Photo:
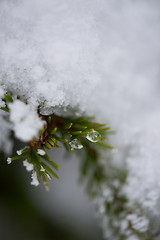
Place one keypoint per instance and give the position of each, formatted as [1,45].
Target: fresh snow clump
[29,166]
[34,178]
[26,123]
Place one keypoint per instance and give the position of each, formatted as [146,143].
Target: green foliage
[58,132]
[86,138]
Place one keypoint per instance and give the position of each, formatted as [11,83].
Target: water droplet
[93,136]
[75,144]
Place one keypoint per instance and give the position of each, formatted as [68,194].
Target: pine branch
[104,184]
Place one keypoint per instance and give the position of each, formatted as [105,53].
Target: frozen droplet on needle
[94,136]
[75,144]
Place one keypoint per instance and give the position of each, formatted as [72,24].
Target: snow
[41,152]
[26,123]
[2,92]
[9,160]
[46,42]
[138,223]
[29,166]
[95,56]
[34,178]
[19,152]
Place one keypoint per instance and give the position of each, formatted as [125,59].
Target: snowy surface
[96,56]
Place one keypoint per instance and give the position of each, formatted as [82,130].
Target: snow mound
[101,57]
